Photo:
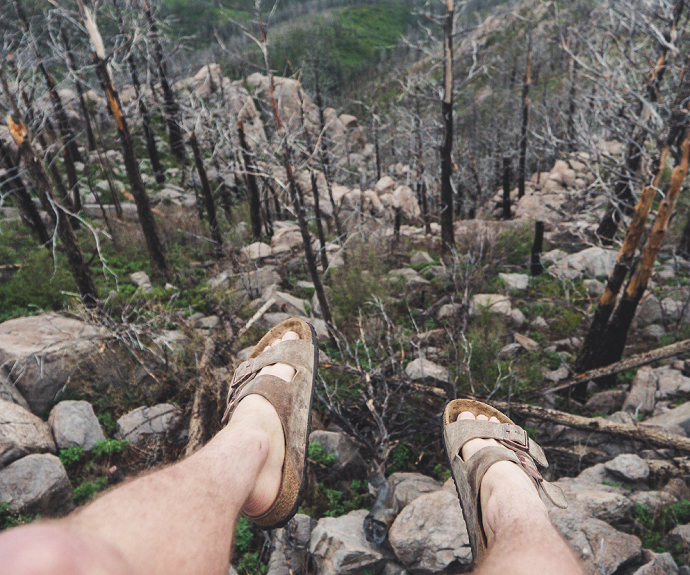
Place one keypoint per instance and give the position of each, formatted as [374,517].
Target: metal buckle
[249,368]
[515,436]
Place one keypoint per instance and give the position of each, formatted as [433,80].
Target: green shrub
[109,447]
[249,564]
[88,490]
[9,518]
[243,535]
[71,456]
[318,455]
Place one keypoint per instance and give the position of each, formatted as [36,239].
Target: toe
[482,417]
[290,335]
[466,415]
[494,419]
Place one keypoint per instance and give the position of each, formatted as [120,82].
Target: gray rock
[408,486]
[341,446]
[601,547]
[21,433]
[594,262]
[654,332]
[410,276]
[8,392]
[36,484]
[557,374]
[594,287]
[525,342]
[641,398]
[678,536]
[421,258]
[510,350]
[448,311]
[606,402]
[496,303]
[430,534]
[515,281]
[74,424]
[629,467]
[420,368]
[208,322]
[339,546]
[661,564]
[289,304]
[290,545]
[142,280]
[38,354]
[256,251]
[649,311]
[603,502]
[393,568]
[653,500]
[539,323]
[670,383]
[154,420]
[517,317]
[673,419]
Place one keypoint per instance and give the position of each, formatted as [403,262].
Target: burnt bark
[421,185]
[208,196]
[536,267]
[447,235]
[522,160]
[507,178]
[252,186]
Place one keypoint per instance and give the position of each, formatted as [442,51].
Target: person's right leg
[521,539]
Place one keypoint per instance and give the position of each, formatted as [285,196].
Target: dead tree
[69,143]
[252,186]
[72,67]
[507,177]
[522,159]
[75,258]
[421,184]
[622,190]
[151,145]
[208,196]
[447,235]
[606,338]
[172,108]
[148,224]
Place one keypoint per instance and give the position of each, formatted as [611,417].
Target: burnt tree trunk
[507,177]
[208,196]
[536,267]
[421,186]
[447,235]
[252,186]
[75,258]
[148,223]
[522,160]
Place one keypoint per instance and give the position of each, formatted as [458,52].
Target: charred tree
[507,180]
[447,235]
[421,185]
[208,196]
[148,224]
[172,108]
[252,185]
[522,160]
[536,267]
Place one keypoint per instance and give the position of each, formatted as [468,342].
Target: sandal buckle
[246,370]
[516,437]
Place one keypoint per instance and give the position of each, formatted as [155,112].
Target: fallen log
[621,366]
[652,435]
[206,400]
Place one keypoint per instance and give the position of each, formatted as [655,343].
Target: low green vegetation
[318,455]
[652,528]
[9,518]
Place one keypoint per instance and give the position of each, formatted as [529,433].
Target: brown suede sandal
[515,446]
[291,400]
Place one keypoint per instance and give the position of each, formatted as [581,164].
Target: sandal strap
[293,352]
[511,436]
[482,460]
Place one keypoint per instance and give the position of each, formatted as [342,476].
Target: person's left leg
[176,521]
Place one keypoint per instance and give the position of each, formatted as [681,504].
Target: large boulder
[9,392]
[496,303]
[74,424]
[628,467]
[604,502]
[642,395]
[661,564]
[339,546]
[674,420]
[340,446]
[430,536]
[36,484]
[21,433]
[290,545]
[38,354]
[155,420]
[421,368]
[408,486]
[594,262]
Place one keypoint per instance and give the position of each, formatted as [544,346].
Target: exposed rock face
[256,251]
[413,280]
[421,368]
[290,545]
[515,281]
[339,547]
[642,395]
[629,467]
[8,392]
[603,502]
[74,424]
[497,303]
[39,353]
[155,420]
[36,484]
[661,564]
[21,433]
[429,534]
[679,536]
[341,446]
[674,420]
[594,262]
[408,486]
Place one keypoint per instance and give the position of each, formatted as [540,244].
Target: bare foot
[503,485]
[255,410]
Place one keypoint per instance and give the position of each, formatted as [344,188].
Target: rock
[39,354]
[557,374]
[290,304]
[552,257]
[339,547]
[517,317]
[154,420]
[413,279]
[393,568]
[515,281]
[601,547]
[653,500]
[596,500]
[385,185]
[526,342]
[429,535]
[673,419]
[629,467]
[252,281]
[286,237]
[8,392]
[421,258]
[606,402]
[670,382]
[21,433]
[208,322]
[256,251]
[421,368]
[539,323]
[408,486]
[142,280]
[678,536]
[291,543]
[649,311]
[594,287]
[594,262]
[448,311]
[74,424]
[661,564]
[654,332]
[341,446]
[243,354]
[496,303]
[406,200]
[510,350]
[36,484]
[641,398]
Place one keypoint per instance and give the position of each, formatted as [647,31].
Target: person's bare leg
[520,536]
[176,521]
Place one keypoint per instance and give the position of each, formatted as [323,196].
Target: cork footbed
[457,406]
[292,490]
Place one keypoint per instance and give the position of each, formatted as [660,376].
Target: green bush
[9,518]
[652,528]
[71,456]
[318,455]
[243,535]
[249,564]
[88,490]
[109,447]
